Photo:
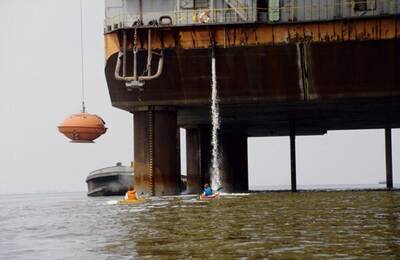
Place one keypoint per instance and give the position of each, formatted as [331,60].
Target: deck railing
[322,10]
[183,17]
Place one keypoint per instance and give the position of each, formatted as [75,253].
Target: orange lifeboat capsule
[82,127]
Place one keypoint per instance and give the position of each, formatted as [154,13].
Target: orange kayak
[211,197]
[130,201]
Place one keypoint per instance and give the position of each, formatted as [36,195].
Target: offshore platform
[284,68]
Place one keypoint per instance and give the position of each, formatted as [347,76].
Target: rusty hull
[332,85]
[264,63]
[302,69]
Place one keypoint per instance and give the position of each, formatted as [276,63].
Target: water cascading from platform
[215,120]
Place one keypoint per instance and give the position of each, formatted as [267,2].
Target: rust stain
[229,37]
[388,28]
[219,37]
[281,34]
[248,36]
[351,29]
[296,33]
[360,31]
[345,31]
[370,30]
[338,30]
[264,34]
[398,28]
[236,40]
[202,38]
[185,39]
[311,32]
[255,35]
[327,32]
[169,40]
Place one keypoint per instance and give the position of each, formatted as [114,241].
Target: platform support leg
[293,157]
[198,158]
[388,153]
[155,155]
[193,161]
[234,162]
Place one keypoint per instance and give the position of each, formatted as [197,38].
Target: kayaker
[207,190]
[131,194]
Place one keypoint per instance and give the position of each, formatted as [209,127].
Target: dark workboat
[109,181]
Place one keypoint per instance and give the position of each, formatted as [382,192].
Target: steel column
[234,163]
[293,157]
[205,153]
[193,161]
[155,155]
[233,159]
[389,165]
[198,158]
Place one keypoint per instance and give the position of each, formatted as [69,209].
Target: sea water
[304,225]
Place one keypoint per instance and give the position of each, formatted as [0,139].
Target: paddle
[220,188]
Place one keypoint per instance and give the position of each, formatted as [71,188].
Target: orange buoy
[82,127]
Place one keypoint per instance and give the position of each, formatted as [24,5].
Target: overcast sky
[40,86]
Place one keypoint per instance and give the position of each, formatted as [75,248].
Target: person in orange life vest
[131,194]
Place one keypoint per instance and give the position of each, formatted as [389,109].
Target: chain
[150,152]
